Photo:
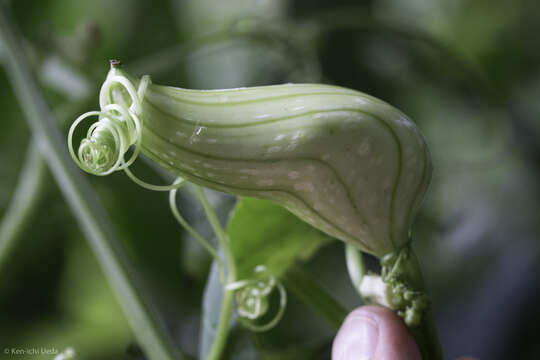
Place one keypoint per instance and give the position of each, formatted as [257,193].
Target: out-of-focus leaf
[264,233]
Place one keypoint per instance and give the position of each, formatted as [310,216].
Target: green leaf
[264,233]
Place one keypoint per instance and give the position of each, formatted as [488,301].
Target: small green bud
[412,317]
[408,295]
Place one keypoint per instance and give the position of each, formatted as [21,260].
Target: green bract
[347,163]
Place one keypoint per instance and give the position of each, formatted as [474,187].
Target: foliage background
[468,72]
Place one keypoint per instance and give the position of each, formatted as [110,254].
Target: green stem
[29,192]
[222,331]
[83,200]
[425,333]
[205,243]
[220,339]
[23,205]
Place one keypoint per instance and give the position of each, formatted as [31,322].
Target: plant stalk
[425,333]
[23,205]
[222,331]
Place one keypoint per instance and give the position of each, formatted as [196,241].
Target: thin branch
[23,204]
[222,331]
[32,184]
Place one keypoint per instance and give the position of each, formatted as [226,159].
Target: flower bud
[349,164]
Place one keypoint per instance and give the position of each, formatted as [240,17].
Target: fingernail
[357,339]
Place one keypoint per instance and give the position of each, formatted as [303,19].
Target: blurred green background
[467,72]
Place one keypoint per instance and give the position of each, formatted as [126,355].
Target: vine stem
[220,339]
[425,333]
[23,204]
[32,185]
[82,199]
[404,265]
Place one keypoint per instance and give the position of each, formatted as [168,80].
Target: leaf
[264,233]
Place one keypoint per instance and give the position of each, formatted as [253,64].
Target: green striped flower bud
[347,163]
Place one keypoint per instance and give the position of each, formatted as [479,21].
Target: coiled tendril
[252,298]
[118,128]
[252,295]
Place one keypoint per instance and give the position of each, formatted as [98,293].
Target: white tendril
[252,298]
[119,127]
[205,243]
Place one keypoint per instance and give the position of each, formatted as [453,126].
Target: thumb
[373,332]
